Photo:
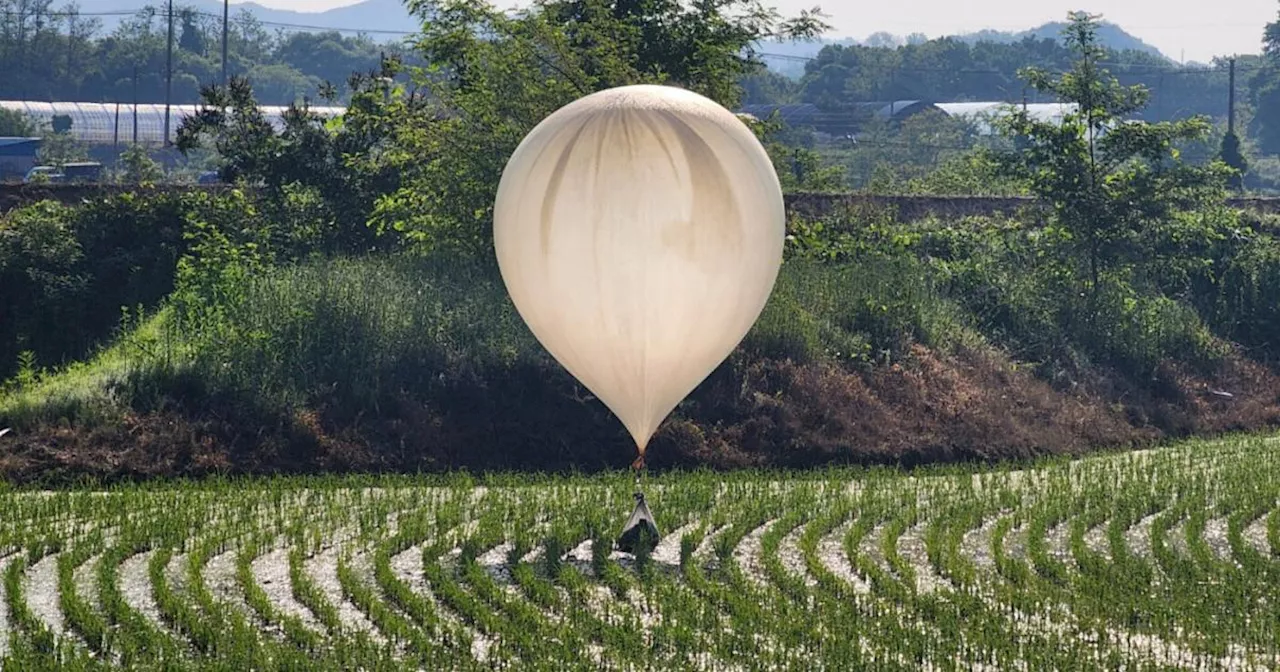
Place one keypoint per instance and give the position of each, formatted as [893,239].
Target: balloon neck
[637,468]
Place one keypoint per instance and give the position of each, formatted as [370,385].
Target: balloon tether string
[637,467]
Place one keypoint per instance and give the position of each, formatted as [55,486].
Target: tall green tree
[420,161]
[15,124]
[1271,39]
[1266,92]
[60,148]
[328,56]
[192,38]
[1115,185]
[490,76]
[334,164]
[948,69]
[1267,117]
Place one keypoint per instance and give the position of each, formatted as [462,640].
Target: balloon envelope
[639,232]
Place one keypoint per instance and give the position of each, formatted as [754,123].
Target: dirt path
[747,554]
[271,573]
[41,592]
[135,588]
[832,556]
[322,569]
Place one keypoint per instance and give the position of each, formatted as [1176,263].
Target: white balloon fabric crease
[639,232]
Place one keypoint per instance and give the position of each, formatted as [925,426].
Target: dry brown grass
[971,405]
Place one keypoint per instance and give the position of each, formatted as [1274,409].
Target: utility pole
[1159,96]
[386,81]
[225,13]
[135,104]
[168,75]
[1231,96]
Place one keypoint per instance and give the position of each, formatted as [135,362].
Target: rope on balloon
[641,530]
[637,468]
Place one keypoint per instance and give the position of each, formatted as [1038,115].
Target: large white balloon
[639,231]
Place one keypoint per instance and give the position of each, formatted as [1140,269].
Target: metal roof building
[982,114]
[111,123]
[19,146]
[847,120]
[17,156]
[108,123]
[840,121]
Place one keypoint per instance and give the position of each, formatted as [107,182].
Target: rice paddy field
[1165,559]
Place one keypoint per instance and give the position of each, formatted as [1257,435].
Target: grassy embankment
[883,342]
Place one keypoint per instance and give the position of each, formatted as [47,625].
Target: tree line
[61,53]
[949,69]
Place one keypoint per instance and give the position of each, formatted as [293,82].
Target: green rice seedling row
[1164,559]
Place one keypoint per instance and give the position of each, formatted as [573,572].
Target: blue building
[17,156]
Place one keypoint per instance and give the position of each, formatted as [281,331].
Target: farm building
[113,123]
[837,122]
[848,121]
[17,156]
[982,114]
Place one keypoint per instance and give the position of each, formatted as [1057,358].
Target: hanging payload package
[640,531]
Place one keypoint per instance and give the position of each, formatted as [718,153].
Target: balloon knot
[638,464]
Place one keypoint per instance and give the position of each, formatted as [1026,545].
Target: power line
[386,31]
[1130,68]
[168,74]
[402,32]
[226,11]
[153,12]
[329,29]
[62,14]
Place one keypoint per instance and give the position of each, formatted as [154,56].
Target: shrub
[1243,301]
[68,271]
[358,332]
[137,167]
[43,284]
[864,309]
[1135,332]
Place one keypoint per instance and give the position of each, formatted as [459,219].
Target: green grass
[357,333]
[100,388]
[414,562]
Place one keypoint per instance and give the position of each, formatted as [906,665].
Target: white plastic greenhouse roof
[982,112]
[96,123]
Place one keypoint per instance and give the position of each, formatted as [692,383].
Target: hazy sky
[1200,29]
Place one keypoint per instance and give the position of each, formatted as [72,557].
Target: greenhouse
[112,123]
[836,121]
[850,119]
[983,114]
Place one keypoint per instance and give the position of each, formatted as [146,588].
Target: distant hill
[788,57]
[389,16]
[1109,34]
